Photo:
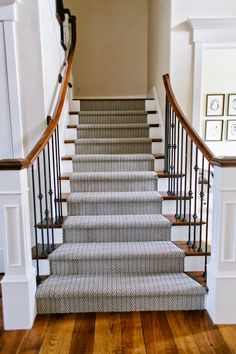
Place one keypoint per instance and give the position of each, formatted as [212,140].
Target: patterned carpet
[117,254]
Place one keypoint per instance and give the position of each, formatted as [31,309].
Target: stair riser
[191,264]
[157,165]
[113,119]
[114,148]
[154,148]
[123,234]
[120,304]
[114,185]
[163,184]
[114,208]
[169,206]
[123,265]
[112,105]
[148,105]
[112,133]
[108,166]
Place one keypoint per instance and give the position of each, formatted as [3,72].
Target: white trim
[7,10]
[222,29]
[207,33]
[13,87]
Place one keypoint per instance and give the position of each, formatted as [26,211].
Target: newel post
[221,274]
[18,284]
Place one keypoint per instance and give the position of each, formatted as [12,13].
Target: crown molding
[7,10]
[213,29]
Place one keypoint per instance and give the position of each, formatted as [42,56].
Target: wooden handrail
[19,164]
[223,161]
[184,121]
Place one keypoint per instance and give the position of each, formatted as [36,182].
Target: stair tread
[119,285]
[114,250]
[115,221]
[114,196]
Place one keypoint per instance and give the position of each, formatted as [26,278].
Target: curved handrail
[184,121]
[221,161]
[19,164]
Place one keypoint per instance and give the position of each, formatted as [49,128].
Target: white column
[221,275]
[18,284]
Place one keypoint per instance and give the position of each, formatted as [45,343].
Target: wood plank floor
[121,333]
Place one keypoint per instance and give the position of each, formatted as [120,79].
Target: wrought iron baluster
[207,216]
[174,149]
[196,168]
[177,216]
[40,196]
[186,176]
[46,200]
[167,127]
[50,192]
[35,223]
[201,194]
[54,179]
[190,194]
[59,170]
[181,173]
[172,154]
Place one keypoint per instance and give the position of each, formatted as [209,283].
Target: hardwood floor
[121,333]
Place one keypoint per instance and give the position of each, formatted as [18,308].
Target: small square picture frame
[231,109]
[231,130]
[214,130]
[215,104]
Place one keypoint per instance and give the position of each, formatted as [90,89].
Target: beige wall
[111,55]
[159,13]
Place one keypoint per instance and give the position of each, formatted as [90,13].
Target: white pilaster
[221,275]
[18,284]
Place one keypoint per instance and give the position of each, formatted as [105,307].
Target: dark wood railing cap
[222,161]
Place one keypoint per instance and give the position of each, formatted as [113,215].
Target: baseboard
[1,261]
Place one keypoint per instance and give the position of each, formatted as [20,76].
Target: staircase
[117,253]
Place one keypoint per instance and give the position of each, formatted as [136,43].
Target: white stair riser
[57,236]
[195,263]
[159,165]
[73,119]
[169,206]
[181,233]
[163,183]
[66,167]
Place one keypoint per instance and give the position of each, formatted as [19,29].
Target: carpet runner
[117,254]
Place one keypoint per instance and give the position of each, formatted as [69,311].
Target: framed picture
[215,105]
[231,130]
[231,111]
[213,130]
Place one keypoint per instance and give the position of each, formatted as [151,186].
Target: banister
[184,121]
[220,161]
[19,164]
